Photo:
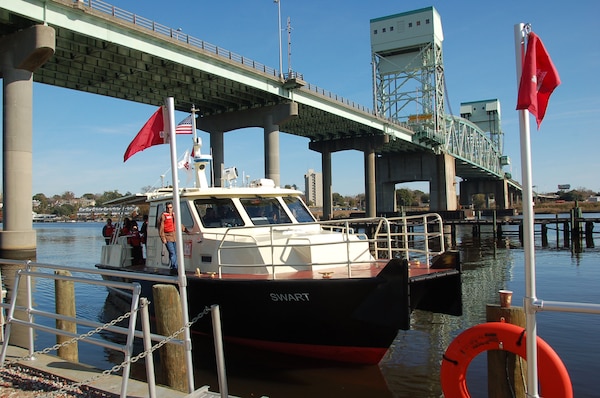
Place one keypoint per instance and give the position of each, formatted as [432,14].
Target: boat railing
[416,238]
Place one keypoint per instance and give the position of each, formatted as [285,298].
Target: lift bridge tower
[408,72]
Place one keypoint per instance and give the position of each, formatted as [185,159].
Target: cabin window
[298,209]
[264,211]
[186,216]
[218,213]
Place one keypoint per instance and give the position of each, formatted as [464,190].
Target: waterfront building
[313,188]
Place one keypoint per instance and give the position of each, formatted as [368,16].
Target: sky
[79,138]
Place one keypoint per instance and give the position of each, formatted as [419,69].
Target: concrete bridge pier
[327,185]
[439,170]
[370,183]
[498,189]
[368,145]
[20,55]
[269,118]
[272,162]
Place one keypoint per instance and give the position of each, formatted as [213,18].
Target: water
[411,367]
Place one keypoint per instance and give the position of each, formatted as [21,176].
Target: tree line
[67,204]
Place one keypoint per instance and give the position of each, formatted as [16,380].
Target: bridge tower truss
[408,72]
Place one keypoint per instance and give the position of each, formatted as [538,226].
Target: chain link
[134,359]
[75,339]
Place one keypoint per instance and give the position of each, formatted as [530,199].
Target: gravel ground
[24,382]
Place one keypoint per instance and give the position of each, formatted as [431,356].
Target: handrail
[396,237]
[179,36]
[28,273]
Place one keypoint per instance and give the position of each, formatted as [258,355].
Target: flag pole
[182,281]
[530,299]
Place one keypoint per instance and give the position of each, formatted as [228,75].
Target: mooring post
[521,232]
[557,232]
[169,320]
[64,293]
[506,371]
[589,234]
[544,234]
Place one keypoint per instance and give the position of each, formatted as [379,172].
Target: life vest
[108,230]
[169,224]
[135,239]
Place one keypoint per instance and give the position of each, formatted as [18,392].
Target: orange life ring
[553,377]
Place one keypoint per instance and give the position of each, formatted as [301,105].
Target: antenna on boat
[200,160]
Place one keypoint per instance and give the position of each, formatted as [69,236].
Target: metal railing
[179,36]
[29,272]
[415,238]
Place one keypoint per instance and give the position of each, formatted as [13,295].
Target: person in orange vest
[108,230]
[167,235]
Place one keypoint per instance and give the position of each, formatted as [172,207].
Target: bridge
[92,46]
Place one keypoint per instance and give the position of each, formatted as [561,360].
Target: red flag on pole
[151,134]
[539,78]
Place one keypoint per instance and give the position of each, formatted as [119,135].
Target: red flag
[538,79]
[151,134]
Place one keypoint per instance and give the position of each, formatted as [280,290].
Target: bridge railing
[178,35]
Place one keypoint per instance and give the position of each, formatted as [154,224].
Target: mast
[200,160]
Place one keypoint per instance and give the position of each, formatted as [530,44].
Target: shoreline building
[313,188]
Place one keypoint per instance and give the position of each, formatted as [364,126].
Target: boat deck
[416,271]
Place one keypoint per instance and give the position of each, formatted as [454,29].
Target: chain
[143,354]
[74,339]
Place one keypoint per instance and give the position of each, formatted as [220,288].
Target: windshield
[298,209]
[218,213]
[264,211]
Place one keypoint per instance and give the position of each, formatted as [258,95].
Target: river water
[411,366]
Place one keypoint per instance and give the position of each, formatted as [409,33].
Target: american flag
[185,126]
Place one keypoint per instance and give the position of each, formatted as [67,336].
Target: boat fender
[553,377]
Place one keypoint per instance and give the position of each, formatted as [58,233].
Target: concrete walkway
[111,384]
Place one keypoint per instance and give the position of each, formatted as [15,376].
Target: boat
[286,282]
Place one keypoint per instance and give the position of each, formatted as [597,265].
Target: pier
[567,231]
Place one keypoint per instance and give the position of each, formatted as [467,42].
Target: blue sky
[79,139]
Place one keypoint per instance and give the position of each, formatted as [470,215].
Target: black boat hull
[353,320]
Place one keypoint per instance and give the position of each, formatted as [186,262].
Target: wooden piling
[544,235]
[557,232]
[589,234]
[64,294]
[169,319]
[506,371]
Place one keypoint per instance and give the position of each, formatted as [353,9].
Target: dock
[50,368]
[568,231]
[25,370]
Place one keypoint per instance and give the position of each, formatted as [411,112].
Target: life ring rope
[553,377]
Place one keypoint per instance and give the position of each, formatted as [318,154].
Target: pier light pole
[278,2]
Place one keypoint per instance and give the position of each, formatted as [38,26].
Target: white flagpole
[530,299]
[182,281]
